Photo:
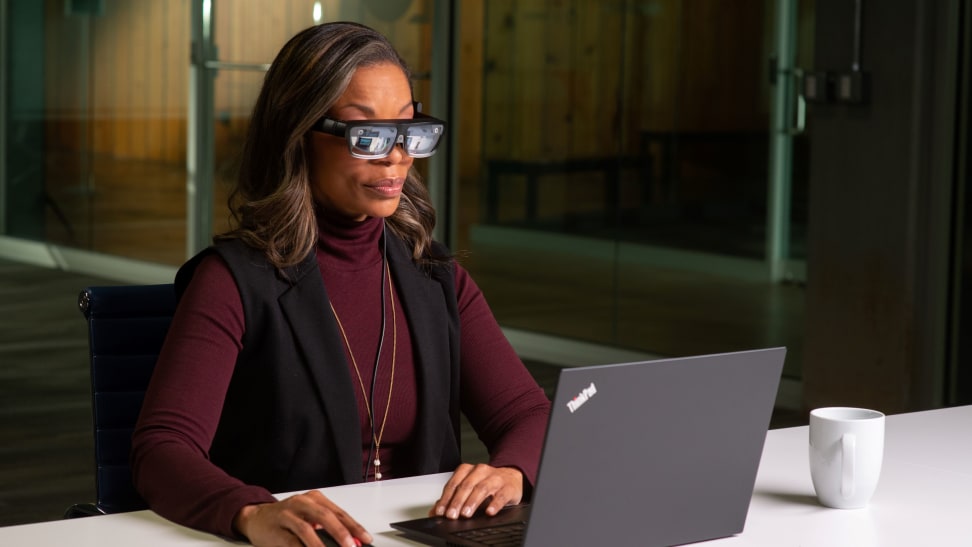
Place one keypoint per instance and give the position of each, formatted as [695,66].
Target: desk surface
[924,498]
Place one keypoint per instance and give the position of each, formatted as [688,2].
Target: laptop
[653,453]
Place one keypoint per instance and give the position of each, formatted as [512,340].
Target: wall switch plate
[817,87]
[852,87]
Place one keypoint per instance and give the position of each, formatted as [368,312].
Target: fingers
[470,486]
[442,506]
[325,514]
[296,520]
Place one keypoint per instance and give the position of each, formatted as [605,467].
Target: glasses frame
[339,128]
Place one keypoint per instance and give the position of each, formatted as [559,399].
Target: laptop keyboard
[500,535]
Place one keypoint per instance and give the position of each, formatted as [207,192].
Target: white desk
[924,498]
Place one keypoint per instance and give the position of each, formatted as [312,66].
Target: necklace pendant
[377,462]
[377,475]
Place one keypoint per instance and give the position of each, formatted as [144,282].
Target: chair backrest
[126,328]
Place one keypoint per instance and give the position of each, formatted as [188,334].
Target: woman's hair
[273,205]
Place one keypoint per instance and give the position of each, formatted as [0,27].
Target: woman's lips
[387,187]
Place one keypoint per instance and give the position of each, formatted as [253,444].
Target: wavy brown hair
[272,204]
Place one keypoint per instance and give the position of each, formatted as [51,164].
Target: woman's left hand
[470,485]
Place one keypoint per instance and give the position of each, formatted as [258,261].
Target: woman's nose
[397,155]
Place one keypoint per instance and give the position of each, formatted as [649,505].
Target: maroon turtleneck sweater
[184,401]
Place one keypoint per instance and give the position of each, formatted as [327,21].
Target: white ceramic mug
[846,452]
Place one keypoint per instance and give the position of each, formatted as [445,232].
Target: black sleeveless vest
[290,420]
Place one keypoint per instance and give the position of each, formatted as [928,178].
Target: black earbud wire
[381,342]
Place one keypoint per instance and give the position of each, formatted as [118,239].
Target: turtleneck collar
[347,243]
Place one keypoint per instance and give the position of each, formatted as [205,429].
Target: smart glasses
[375,139]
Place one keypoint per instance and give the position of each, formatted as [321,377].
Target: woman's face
[358,188]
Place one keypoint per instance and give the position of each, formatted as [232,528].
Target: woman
[328,339]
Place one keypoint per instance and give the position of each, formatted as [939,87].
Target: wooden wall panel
[591,72]
[470,111]
[120,77]
[724,67]
[556,65]
[153,85]
[470,90]
[499,50]
[554,128]
[529,107]
[595,79]
[657,51]
[174,79]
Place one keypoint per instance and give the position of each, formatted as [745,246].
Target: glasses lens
[421,139]
[372,141]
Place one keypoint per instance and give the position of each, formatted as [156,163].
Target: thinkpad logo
[581,398]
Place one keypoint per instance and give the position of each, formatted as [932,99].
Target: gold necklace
[364,393]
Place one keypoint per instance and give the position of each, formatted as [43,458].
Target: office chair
[126,328]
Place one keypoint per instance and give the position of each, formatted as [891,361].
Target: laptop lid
[659,453]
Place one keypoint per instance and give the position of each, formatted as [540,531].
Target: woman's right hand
[294,522]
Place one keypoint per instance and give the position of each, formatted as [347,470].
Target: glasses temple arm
[332,127]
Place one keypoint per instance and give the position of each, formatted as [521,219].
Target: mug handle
[848,445]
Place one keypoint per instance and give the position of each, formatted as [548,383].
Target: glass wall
[96,125]
[615,185]
[610,167]
[99,142]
